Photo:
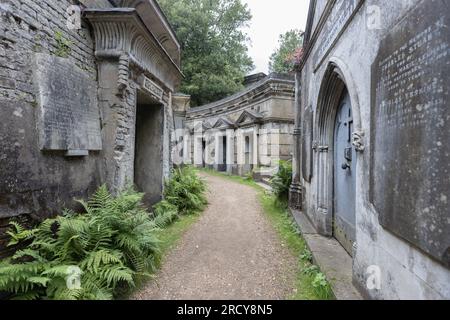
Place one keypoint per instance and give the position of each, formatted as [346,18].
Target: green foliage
[112,244]
[320,280]
[283,59]
[311,270]
[282,180]
[165,214]
[62,45]
[322,286]
[307,286]
[306,256]
[249,176]
[214,47]
[186,191]
[18,234]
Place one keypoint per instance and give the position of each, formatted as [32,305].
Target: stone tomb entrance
[136,79]
[336,160]
[222,165]
[148,161]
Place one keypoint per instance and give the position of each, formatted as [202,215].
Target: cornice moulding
[120,31]
[243,99]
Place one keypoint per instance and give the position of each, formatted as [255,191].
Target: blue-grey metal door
[344,176]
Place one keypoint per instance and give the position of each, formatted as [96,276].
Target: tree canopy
[214,46]
[285,56]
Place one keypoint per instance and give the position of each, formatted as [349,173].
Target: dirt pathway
[231,253]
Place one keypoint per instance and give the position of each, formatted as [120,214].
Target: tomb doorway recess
[133,68]
[148,160]
[336,90]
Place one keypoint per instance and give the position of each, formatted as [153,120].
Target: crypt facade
[247,132]
[372,138]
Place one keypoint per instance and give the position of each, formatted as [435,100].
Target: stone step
[331,258]
[264,186]
[266,181]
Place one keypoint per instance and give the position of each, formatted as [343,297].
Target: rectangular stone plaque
[340,16]
[68,114]
[153,88]
[410,130]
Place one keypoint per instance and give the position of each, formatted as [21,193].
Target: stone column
[240,148]
[295,193]
[255,148]
[218,150]
[230,150]
[198,154]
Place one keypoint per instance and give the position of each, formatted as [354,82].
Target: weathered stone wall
[406,271]
[35,183]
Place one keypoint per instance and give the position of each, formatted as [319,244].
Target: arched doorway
[335,159]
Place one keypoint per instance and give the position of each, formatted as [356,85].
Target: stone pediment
[249,117]
[224,123]
[201,126]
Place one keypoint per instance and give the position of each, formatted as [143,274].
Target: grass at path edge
[171,235]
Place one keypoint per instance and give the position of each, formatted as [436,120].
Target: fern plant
[164,214]
[112,244]
[186,191]
[18,234]
[282,180]
[100,253]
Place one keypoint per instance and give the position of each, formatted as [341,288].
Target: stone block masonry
[34,183]
[69,111]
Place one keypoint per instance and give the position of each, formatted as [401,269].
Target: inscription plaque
[307,144]
[153,88]
[410,130]
[68,115]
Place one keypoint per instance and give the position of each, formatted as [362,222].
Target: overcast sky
[270,19]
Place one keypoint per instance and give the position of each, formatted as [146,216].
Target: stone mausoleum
[247,132]
[86,99]
[372,137]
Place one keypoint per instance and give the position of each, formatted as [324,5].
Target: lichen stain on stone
[18,113]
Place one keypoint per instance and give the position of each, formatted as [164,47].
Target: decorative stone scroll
[68,114]
[410,130]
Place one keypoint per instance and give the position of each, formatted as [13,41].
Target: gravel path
[232,252]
